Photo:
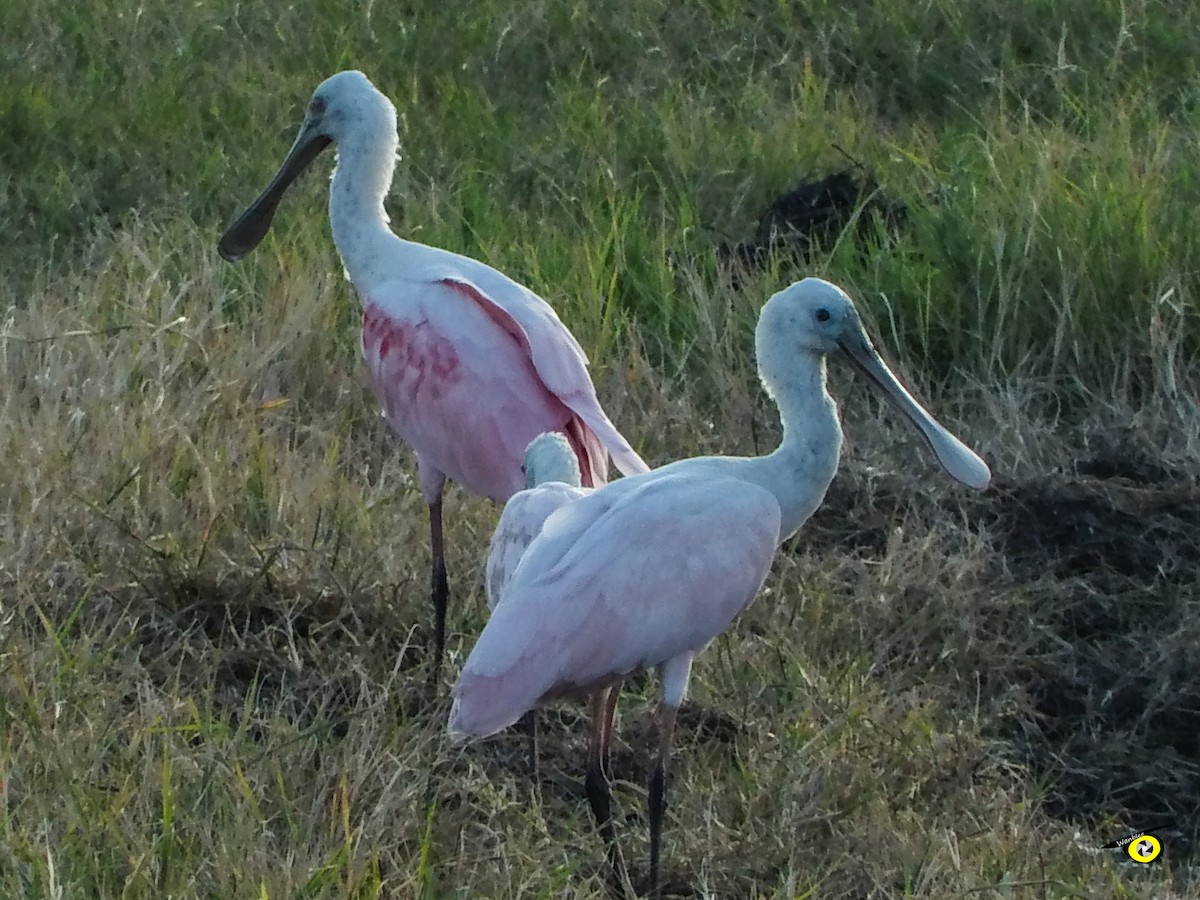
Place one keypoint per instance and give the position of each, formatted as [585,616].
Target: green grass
[1047,155]
[213,555]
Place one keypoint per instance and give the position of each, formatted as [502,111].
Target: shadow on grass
[268,647]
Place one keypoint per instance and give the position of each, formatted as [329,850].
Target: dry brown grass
[213,564]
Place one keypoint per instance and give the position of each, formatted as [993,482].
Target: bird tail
[595,438]
[592,455]
[455,729]
[482,707]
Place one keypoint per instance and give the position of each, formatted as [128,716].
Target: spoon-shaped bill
[955,456]
[252,226]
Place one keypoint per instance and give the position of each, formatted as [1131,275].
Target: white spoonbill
[552,479]
[468,365]
[646,571]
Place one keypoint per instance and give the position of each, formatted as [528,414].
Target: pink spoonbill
[552,480]
[468,365]
[645,572]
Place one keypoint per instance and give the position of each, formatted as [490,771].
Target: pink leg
[599,791]
[657,794]
[610,715]
[674,674]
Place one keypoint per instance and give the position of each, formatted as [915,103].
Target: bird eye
[822,315]
[317,107]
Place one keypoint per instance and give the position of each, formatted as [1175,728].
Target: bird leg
[599,791]
[529,724]
[610,715]
[439,587]
[657,794]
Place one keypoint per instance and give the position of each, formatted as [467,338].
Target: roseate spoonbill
[646,571]
[468,365]
[552,480]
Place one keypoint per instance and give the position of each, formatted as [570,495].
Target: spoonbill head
[814,316]
[549,458]
[468,365]
[345,108]
[645,572]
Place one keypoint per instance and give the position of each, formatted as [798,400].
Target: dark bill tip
[252,226]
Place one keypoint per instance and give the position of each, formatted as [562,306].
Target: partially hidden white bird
[645,572]
[468,365]
[552,480]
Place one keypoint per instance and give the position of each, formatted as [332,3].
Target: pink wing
[633,575]
[560,363]
[454,386]
[468,387]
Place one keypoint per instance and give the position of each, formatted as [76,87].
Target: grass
[213,554]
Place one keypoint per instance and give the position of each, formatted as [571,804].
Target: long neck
[360,182]
[800,471]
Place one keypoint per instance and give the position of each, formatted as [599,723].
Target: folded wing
[628,577]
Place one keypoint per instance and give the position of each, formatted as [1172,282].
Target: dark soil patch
[1108,652]
[1111,532]
[812,214]
[1091,646]
[698,724]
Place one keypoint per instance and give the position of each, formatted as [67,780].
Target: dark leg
[439,588]
[529,724]
[657,794]
[599,793]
